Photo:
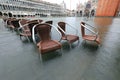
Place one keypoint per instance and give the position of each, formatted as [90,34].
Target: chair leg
[85,42]
[78,42]
[17,31]
[70,45]
[28,38]
[20,37]
[13,30]
[99,45]
[60,40]
[40,57]
[61,52]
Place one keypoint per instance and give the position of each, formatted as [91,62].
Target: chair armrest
[96,33]
[73,28]
[92,26]
[33,34]
[61,30]
[22,26]
[96,37]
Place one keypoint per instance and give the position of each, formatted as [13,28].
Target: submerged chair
[24,30]
[26,26]
[37,38]
[9,23]
[90,37]
[5,21]
[15,23]
[32,23]
[69,37]
[23,22]
[46,44]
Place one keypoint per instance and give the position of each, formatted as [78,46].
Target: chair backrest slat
[62,26]
[82,29]
[44,31]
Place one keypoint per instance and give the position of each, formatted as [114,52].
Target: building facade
[30,8]
[63,6]
[79,9]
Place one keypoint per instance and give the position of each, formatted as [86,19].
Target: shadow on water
[103,21]
[51,55]
[91,46]
[65,46]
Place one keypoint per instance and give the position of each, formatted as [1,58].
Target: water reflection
[103,21]
[103,25]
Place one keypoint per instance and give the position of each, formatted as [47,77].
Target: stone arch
[10,14]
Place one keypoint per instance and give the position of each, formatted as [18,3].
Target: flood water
[19,60]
